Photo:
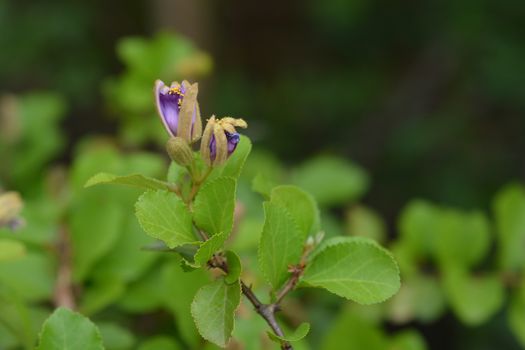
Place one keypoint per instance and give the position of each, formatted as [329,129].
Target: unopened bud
[179,151]
[220,139]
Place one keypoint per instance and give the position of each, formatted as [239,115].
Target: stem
[196,185]
[297,271]
[289,286]
[266,311]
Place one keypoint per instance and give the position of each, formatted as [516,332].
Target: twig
[296,271]
[196,186]
[266,311]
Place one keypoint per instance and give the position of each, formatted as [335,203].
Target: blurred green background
[428,97]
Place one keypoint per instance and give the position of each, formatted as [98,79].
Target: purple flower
[178,109]
[232,141]
[220,139]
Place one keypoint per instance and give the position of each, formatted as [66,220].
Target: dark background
[428,96]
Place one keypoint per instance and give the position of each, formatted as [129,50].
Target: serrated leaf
[234,164]
[281,244]
[66,329]
[300,205]
[214,205]
[133,180]
[509,211]
[208,248]
[356,269]
[164,216]
[297,335]
[213,310]
[473,299]
[11,249]
[234,267]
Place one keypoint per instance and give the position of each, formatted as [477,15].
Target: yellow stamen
[175,91]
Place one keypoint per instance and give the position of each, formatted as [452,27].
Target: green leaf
[66,329]
[365,222]
[11,249]
[355,268]
[159,343]
[30,277]
[234,266]
[22,321]
[300,205]
[100,294]
[183,285]
[418,227]
[95,226]
[208,248]
[462,238]
[473,299]
[214,205]
[213,310]
[407,340]
[134,180]
[331,180]
[420,297]
[116,263]
[115,336]
[176,172]
[145,294]
[36,139]
[515,314]
[281,244]
[234,164]
[297,335]
[509,211]
[164,216]
[351,332]
[262,185]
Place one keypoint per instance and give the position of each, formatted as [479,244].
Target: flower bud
[10,206]
[179,151]
[179,110]
[220,139]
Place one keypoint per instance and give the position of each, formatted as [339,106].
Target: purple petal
[233,140]
[168,106]
[213,148]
